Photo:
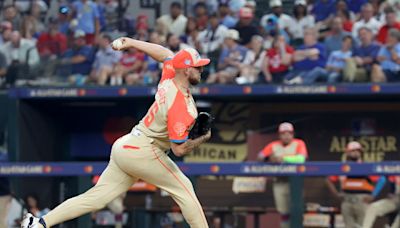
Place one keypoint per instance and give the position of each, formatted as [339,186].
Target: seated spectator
[174,44]
[322,11]
[105,61]
[347,22]
[389,58]
[141,28]
[367,20]
[28,29]
[174,22]
[35,16]
[191,33]
[52,42]
[10,14]
[225,15]
[250,68]
[306,58]
[277,60]
[212,38]
[201,15]
[87,18]
[272,29]
[283,19]
[244,26]
[6,30]
[300,22]
[358,68]
[21,56]
[76,62]
[129,68]
[334,38]
[332,73]
[391,22]
[341,6]
[230,59]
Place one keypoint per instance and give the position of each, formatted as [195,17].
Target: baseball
[117,44]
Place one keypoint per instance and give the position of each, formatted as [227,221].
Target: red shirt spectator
[275,64]
[390,16]
[131,57]
[52,42]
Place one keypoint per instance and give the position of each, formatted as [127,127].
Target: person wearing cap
[284,20]
[285,150]
[300,21]
[76,62]
[356,192]
[141,154]
[174,22]
[245,27]
[388,69]
[231,57]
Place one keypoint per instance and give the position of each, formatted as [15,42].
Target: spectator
[105,60]
[6,30]
[332,73]
[28,29]
[389,58]
[356,5]
[225,15]
[284,20]
[341,6]
[174,23]
[142,32]
[300,22]
[212,38]
[358,68]
[306,58]
[277,60]
[346,19]
[191,33]
[252,63]
[201,15]
[64,19]
[10,14]
[285,150]
[21,56]
[367,20]
[244,26]
[174,44]
[5,201]
[34,207]
[77,61]
[87,19]
[322,11]
[35,17]
[129,68]
[356,191]
[391,22]
[333,40]
[52,42]
[229,61]
[109,9]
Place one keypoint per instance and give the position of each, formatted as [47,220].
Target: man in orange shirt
[287,150]
[141,154]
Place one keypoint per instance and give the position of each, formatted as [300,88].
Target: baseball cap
[232,34]
[275,3]
[285,127]
[354,145]
[246,13]
[188,57]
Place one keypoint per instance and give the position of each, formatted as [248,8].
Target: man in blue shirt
[77,61]
[389,58]
[333,41]
[306,58]
[230,59]
[358,67]
[87,16]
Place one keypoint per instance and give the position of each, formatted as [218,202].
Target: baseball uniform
[141,155]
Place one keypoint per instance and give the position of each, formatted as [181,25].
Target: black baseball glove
[202,126]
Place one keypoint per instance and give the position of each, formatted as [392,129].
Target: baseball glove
[202,126]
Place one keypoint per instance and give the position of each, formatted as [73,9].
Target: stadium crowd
[324,41]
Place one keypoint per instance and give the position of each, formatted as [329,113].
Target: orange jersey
[172,114]
[355,184]
[276,148]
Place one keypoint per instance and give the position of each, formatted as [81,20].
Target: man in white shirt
[174,23]
[284,20]
[212,38]
[367,20]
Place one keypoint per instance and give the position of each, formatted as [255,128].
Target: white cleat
[30,221]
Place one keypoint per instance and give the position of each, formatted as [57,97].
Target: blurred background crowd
[291,42]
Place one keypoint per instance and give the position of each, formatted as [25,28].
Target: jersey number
[150,115]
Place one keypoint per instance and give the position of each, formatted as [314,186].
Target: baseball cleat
[30,221]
